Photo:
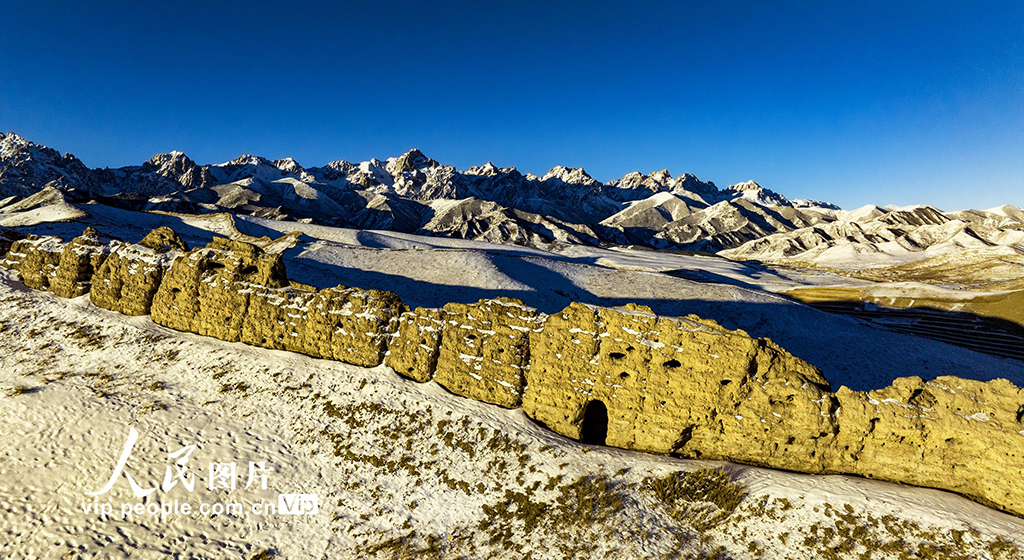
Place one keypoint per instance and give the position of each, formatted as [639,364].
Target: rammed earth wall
[485,350]
[678,385]
[36,258]
[623,377]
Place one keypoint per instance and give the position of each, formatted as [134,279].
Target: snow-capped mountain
[414,193]
[756,193]
[26,167]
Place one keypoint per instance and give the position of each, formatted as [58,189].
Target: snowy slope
[872,237]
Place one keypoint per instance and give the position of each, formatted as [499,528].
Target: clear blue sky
[852,102]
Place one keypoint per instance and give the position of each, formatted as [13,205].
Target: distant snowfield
[398,467]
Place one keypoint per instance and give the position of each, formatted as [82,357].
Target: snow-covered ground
[399,469]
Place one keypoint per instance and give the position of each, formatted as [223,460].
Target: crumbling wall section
[485,350]
[416,344]
[274,317]
[235,291]
[351,325]
[128,279]
[79,261]
[206,291]
[48,263]
[957,434]
[678,385]
[36,259]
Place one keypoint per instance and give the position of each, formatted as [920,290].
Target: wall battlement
[623,377]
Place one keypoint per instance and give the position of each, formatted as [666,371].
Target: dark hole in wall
[833,406]
[616,355]
[684,437]
[248,270]
[752,367]
[594,428]
[672,364]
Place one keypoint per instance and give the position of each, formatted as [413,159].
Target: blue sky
[853,102]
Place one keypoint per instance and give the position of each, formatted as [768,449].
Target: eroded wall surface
[131,274]
[679,385]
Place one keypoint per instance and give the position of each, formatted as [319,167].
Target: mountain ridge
[414,193]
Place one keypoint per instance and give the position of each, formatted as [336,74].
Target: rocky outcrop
[628,378]
[623,377]
[485,350]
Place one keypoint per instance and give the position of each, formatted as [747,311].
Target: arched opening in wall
[594,427]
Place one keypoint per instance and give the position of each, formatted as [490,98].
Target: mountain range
[413,193]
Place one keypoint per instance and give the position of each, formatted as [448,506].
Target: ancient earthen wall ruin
[623,377]
[678,385]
